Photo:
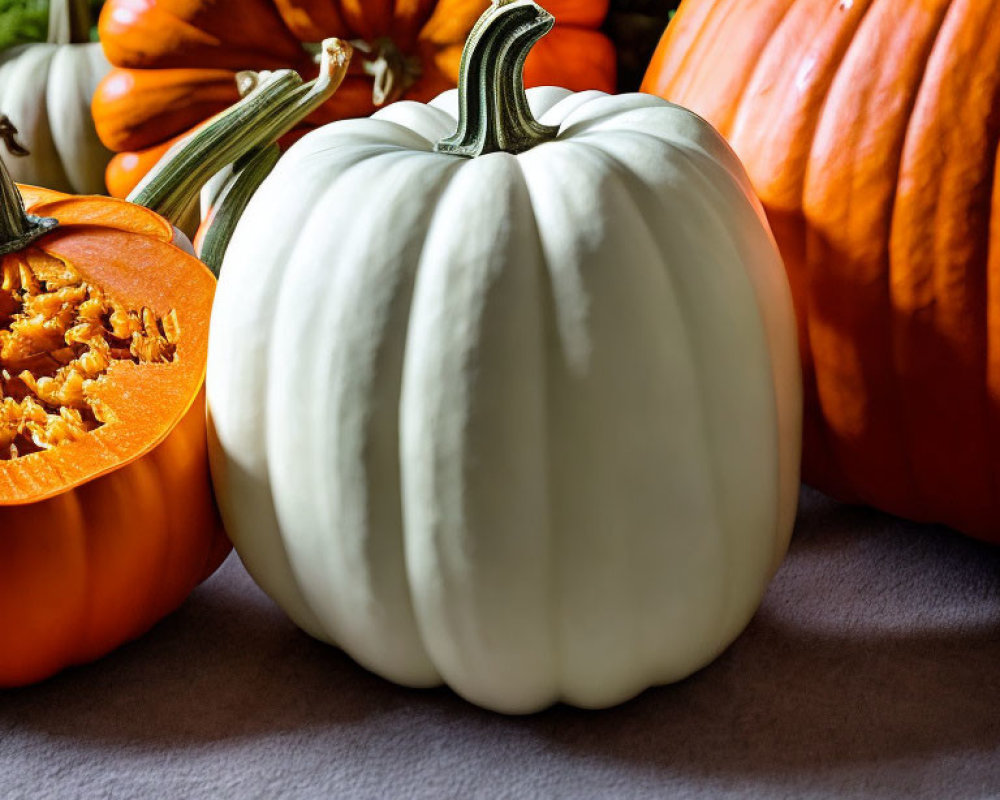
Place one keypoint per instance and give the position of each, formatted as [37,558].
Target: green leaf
[23,21]
[26,21]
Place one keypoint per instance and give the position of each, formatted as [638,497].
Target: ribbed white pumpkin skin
[45,90]
[529,425]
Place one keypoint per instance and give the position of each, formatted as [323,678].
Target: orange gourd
[871,129]
[176,61]
[107,520]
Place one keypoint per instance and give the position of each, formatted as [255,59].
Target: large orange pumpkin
[106,514]
[870,129]
[176,60]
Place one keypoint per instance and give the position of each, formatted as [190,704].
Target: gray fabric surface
[872,670]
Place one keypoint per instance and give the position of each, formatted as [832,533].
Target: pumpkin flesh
[59,338]
[124,429]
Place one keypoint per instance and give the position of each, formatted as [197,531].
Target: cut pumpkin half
[103,339]
[107,519]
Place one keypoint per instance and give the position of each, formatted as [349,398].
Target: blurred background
[635,25]
[24,21]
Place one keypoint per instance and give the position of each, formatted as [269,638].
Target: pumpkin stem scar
[8,133]
[392,71]
[494,115]
[17,228]
[247,80]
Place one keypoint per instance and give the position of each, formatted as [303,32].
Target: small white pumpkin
[45,92]
[527,424]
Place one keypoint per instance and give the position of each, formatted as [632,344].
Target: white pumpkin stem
[275,103]
[494,114]
[18,229]
[229,204]
[69,22]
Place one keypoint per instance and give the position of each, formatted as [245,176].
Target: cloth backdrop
[871,671]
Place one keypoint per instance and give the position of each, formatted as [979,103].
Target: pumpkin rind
[871,131]
[524,425]
[96,566]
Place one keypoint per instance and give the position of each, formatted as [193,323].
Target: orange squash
[106,514]
[176,60]
[871,129]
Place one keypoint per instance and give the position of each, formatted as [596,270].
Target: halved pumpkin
[107,520]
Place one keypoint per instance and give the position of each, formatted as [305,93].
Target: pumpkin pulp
[58,335]
[102,346]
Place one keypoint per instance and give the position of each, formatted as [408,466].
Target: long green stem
[494,114]
[229,205]
[17,228]
[278,102]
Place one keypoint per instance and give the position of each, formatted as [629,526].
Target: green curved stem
[230,203]
[276,103]
[17,228]
[494,114]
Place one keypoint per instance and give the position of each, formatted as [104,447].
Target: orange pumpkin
[106,514]
[870,129]
[176,60]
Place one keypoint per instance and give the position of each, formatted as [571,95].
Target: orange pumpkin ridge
[871,129]
[175,61]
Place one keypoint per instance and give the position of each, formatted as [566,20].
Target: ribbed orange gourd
[870,129]
[106,514]
[176,60]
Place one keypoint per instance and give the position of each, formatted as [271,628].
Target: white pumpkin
[45,91]
[527,425]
